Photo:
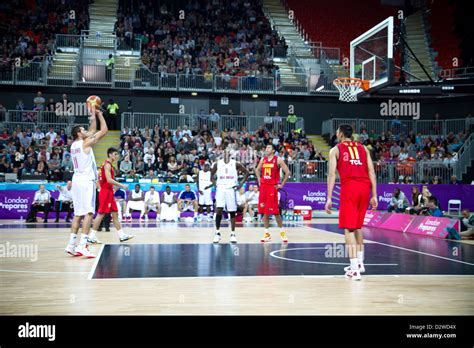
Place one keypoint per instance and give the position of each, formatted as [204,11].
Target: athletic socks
[83,241]
[354,264]
[72,239]
[360,256]
[92,234]
[121,234]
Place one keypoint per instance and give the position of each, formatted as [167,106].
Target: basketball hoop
[349,87]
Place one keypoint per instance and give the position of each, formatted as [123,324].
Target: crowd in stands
[28,28]
[205,37]
[181,153]
[404,148]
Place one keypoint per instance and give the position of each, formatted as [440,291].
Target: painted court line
[96,262]
[423,253]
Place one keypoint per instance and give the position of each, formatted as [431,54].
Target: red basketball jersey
[104,185]
[270,171]
[352,162]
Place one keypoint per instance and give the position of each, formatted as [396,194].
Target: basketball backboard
[371,55]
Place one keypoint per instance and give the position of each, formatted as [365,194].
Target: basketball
[93,101]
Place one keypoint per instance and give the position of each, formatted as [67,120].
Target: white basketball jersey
[136,194]
[204,179]
[227,176]
[85,168]
[151,199]
[168,198]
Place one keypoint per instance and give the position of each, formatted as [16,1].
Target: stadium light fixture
[194,94]
[254,96]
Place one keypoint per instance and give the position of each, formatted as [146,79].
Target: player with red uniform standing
[268,177]
[107,202]
[356,172]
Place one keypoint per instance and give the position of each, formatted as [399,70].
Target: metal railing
[378,126]
[173,121]
[457,72]
[408,172]
[93,74]
[465,155]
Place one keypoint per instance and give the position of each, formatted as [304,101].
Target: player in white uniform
[169,206]
[205,199]
[84,181]
[152,202]
[225,177]
[136,201]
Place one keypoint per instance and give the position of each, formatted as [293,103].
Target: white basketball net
[348,90]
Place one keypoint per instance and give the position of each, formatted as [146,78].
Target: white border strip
[96,262]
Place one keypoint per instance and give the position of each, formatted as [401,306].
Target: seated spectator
[169,206]
[433,209]
[399,202]
[136,201]
[436,180]
[152,202]
[252,202]
[454,180]
[467,224]
[41,202]
[29,167]
[126,166]
[187,201]
[64,201]
[417,202]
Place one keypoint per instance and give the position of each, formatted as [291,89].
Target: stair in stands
[63,67]
[416,39]
[112,139]
[320,145]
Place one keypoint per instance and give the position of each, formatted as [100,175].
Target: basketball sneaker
[129,219]
[266,238]
[217,238]
[199,218]
[142,219]
[84,251]
[361,268]
[94,240]
[158,219]
[210,218]
[71,250]
[284,238]
[354,275]
[233,239]
[126,237]
[146,218]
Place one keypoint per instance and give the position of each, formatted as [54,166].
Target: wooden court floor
[50,282]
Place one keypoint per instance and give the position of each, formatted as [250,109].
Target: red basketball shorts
[353,204]
[107,202]
[268,200]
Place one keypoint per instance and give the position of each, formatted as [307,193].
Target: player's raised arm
[94,138]
[331,177]
[286,170]
[373,180]
[258,170]
[93,122]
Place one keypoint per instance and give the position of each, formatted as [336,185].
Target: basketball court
[173,268]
